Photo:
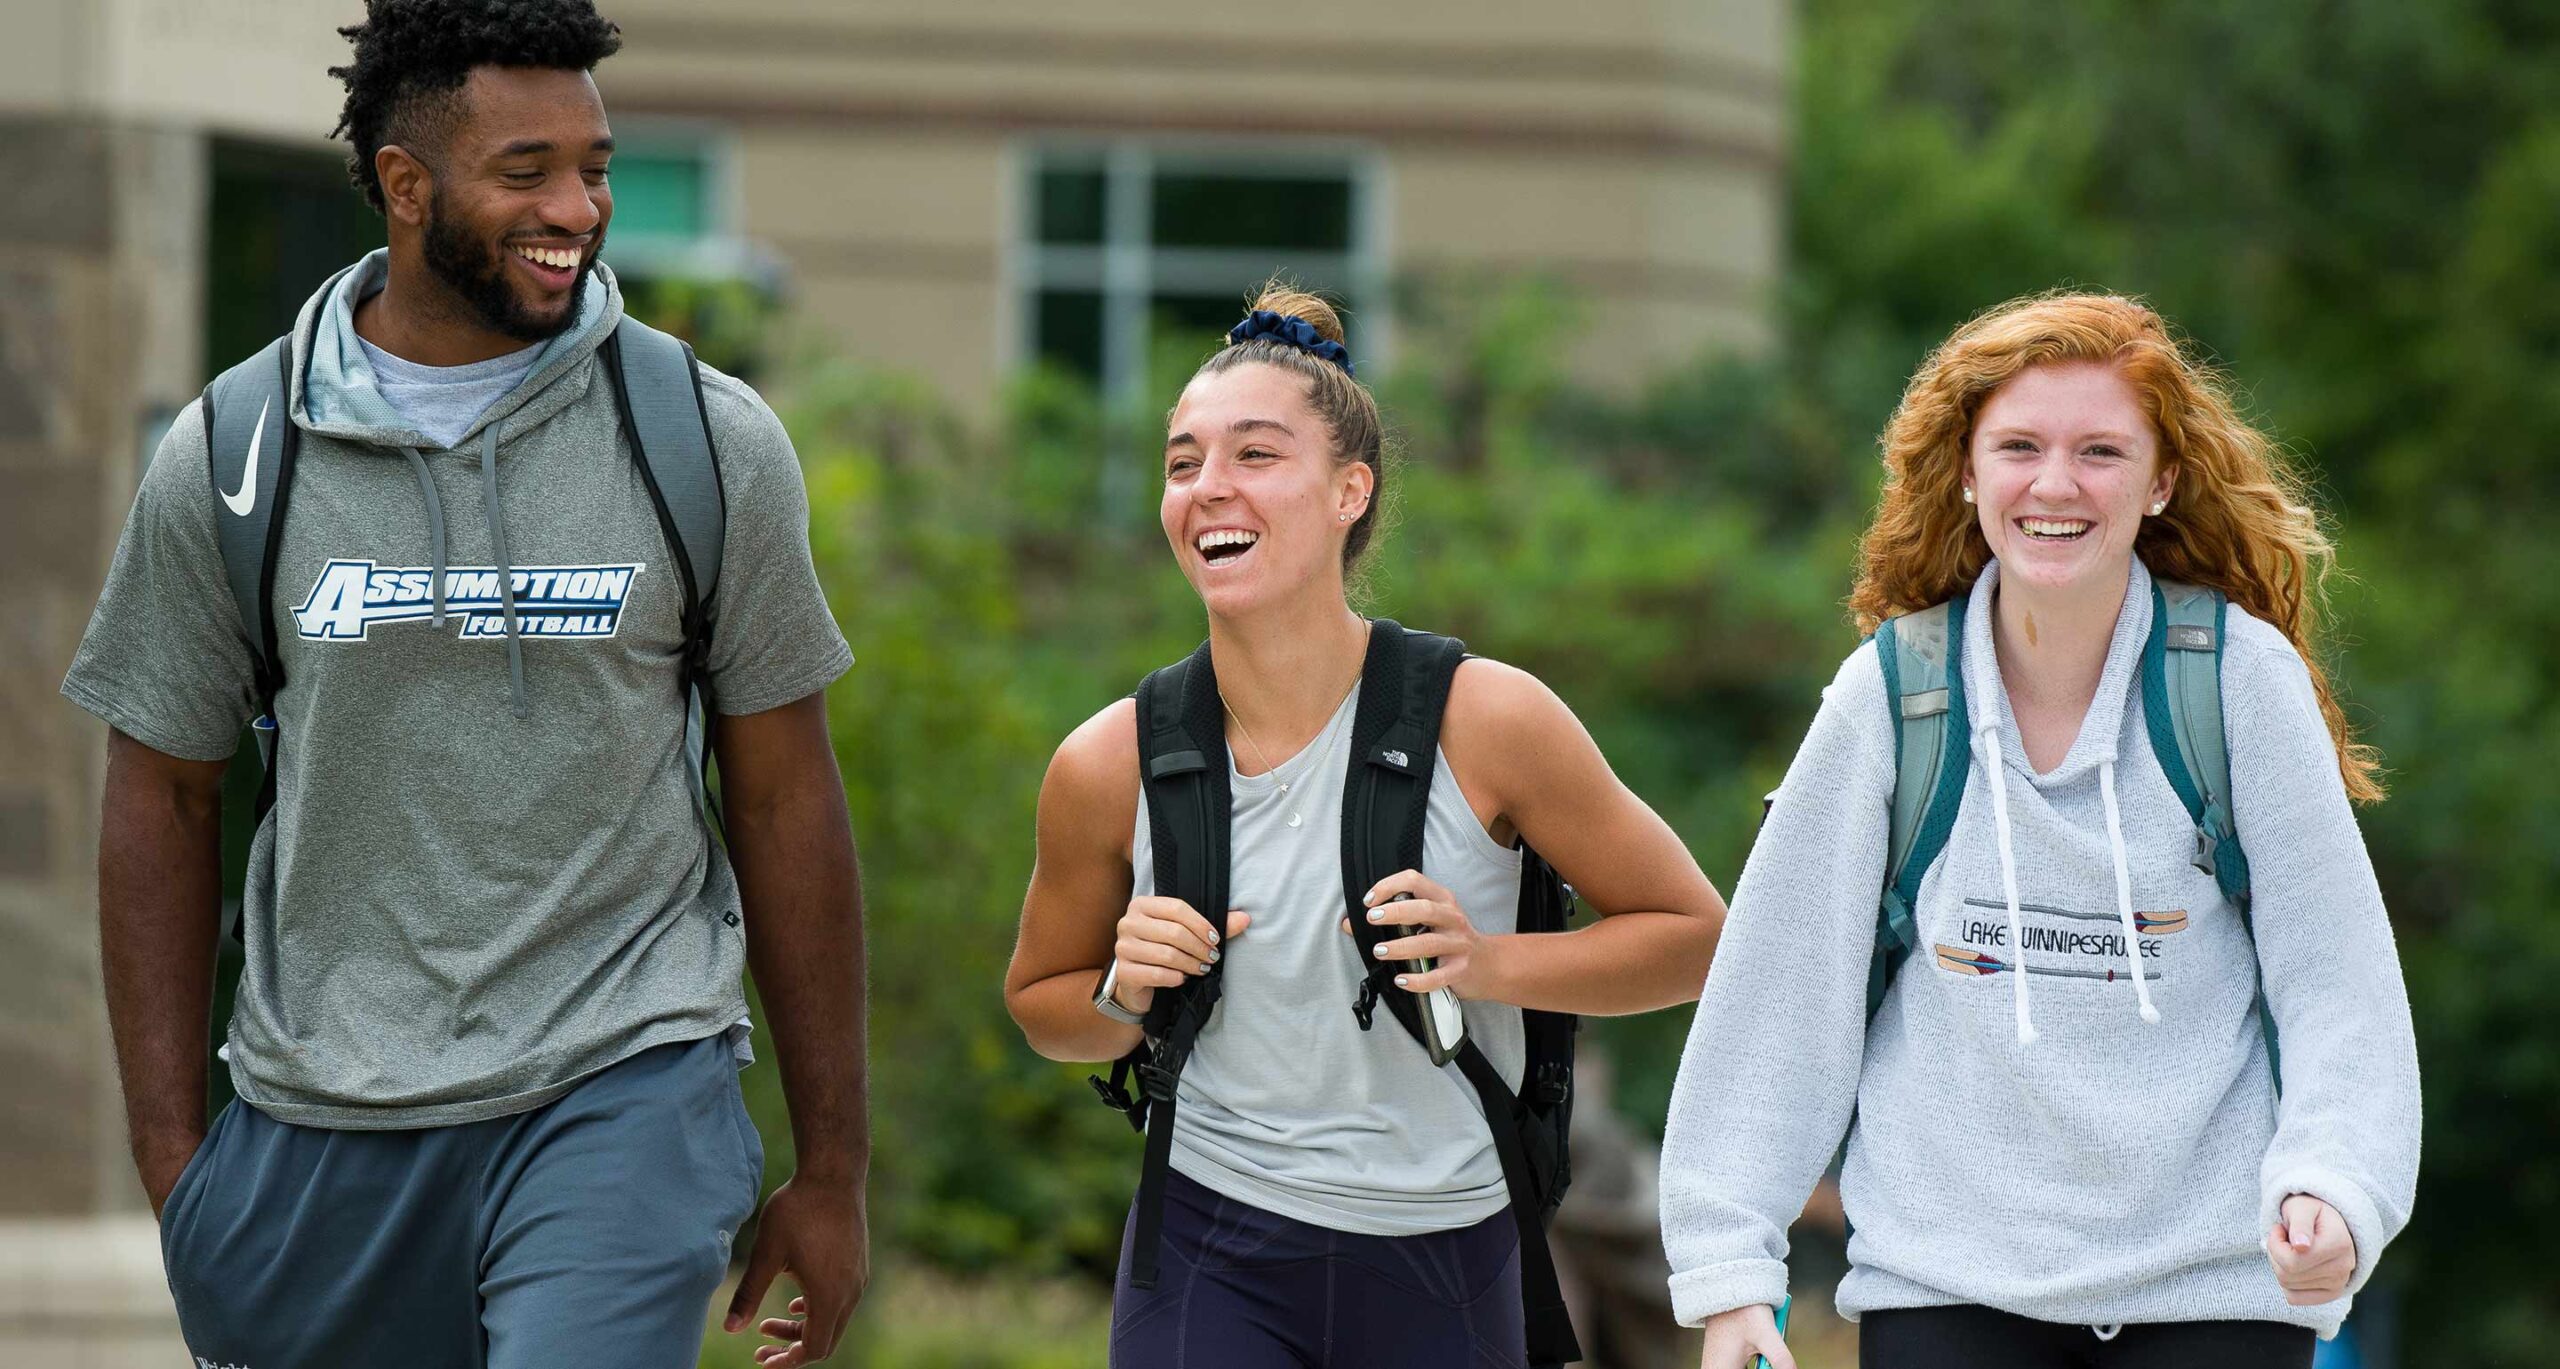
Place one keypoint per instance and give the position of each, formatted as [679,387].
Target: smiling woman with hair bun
[1319,1190]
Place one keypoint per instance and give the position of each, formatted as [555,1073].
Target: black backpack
[1395,736]
[657,387]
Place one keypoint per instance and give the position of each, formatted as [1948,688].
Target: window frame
[718,251]
[1129,270]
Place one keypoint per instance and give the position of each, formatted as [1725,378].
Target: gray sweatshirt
[2036,1142]
[483,877]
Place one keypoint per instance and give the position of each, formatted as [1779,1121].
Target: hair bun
[1288,301]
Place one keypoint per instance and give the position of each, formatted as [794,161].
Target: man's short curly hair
[412,57]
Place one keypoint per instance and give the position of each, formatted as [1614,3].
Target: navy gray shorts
[591,1230]
[1241,1288]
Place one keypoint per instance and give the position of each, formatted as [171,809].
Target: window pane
[1066,331]
[1070,208]
[1199,319]
[657,195]
[1196,209]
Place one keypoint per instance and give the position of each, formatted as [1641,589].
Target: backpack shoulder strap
[250,440]
[1182,769]
[1921,655]
[1395,749]
[2182,708]
[657,387]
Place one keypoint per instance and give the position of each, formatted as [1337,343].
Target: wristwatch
[1105,1005]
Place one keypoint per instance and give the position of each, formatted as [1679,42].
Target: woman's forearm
[1625,963]
[1057,1017]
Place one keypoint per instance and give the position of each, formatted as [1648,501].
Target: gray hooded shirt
[483,878]
[2064,1108]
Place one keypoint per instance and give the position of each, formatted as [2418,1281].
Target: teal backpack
[2181,680]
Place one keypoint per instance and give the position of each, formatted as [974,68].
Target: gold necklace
[1265,761]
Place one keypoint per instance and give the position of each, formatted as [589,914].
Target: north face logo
[203,1363]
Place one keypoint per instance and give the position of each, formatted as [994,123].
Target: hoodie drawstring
[1986,740]
[435,524]
[2124,888]
[498,550]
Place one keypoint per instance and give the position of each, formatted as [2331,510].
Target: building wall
[1632,150]
[99,277]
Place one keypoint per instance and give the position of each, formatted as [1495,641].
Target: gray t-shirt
[443,402]
[454,912]
[1286,1104]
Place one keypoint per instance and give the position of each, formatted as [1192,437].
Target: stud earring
[1968,494]
[2156,508]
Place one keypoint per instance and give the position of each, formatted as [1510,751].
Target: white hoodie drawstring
[2124,889]
[1987,742]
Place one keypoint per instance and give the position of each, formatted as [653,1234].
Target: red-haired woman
[2067,1142]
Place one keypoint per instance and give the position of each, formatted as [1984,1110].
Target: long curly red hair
[2241,519]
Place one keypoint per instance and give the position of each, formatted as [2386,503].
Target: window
[1128,243]
[663,193]
[675,205]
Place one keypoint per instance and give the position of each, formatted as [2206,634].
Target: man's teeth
[1226,537]
[557,258]
[2049,527]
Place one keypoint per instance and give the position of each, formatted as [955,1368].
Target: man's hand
[2313,1252]
[792,848]
[818,1232]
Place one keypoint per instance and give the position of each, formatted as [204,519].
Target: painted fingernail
[1204,967]
[1214,953]
[1400,981]
[1376,916]
[1381,952]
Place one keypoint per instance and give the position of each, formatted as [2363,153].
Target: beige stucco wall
[1633,150]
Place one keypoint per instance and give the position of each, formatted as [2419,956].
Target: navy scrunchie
[1295,331]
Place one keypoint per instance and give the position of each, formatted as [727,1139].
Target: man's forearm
[159,913]
[796,872]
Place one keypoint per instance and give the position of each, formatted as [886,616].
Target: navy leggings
[1241,1288]
[1965,1336]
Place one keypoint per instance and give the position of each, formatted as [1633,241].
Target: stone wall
[101,250]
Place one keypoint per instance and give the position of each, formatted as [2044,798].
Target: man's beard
[477,276]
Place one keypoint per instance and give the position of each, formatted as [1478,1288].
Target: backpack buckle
[1113,1096]
[1156,1082]
[1550,1087]
[1364,1005]
[1118,1099]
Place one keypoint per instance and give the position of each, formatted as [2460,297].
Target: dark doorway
[282,220]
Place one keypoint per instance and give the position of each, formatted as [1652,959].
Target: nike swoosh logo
[247,498]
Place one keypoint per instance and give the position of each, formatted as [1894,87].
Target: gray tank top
[1286,1104]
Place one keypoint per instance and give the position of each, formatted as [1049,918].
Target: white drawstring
[1987,742]
[2124,889]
